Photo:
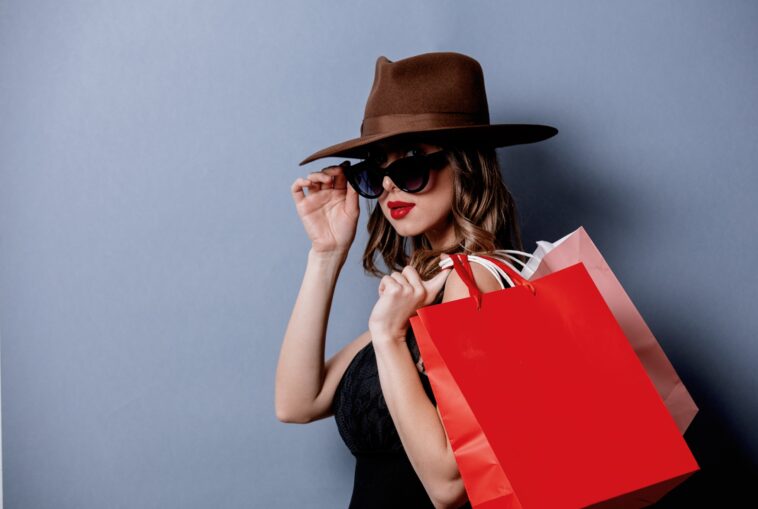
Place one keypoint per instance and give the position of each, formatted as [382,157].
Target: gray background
[151,253]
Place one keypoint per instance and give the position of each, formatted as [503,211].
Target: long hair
[484,218]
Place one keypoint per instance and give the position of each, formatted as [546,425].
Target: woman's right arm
[299,374]
[329,214]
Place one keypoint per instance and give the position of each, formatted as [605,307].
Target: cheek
[442,186]
[434,203]
[438,201]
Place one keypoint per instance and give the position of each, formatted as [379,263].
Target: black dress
[384,476]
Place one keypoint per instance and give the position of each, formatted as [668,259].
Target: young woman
[428,159]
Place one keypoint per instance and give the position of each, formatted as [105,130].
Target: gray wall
[151,253]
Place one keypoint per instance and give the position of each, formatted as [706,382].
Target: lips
[399,209]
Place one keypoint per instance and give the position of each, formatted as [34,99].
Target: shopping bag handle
[495,270]
[517,278]
[513,258]
[463,268]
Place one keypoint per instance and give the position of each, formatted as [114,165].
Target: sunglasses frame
[428,161]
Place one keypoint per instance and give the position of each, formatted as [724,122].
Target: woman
[428,158]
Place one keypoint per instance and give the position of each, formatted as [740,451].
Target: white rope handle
[493,268]
[505,251]
[490,266]
[496,271]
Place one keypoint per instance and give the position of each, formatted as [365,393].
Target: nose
[387,183]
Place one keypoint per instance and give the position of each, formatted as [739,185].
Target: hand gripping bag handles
[544,401]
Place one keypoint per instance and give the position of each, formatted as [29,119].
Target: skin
[405,292]
[329,214]
[433,204]
[417,420]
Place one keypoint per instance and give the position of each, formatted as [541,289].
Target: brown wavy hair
[484,218]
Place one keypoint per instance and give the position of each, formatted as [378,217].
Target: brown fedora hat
[437,96]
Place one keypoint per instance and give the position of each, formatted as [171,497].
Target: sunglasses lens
[411,174]
[366,179]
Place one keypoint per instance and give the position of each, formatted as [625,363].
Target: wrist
[387,338]
[331,258]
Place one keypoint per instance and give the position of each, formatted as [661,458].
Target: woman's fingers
[322,180]
[387,282]
[331,177]
[339,181]
[414,279]
[352,206]
[298,189]
[400,278]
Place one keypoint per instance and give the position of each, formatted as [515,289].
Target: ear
[456,289]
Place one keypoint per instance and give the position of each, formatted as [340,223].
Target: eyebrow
[404,147]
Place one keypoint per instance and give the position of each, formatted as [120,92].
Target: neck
[442,237]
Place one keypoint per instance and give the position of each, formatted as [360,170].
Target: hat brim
[493,135]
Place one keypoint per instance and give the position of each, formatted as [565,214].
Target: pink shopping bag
[578,247]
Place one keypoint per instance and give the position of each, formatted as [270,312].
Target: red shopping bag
[543,399]
[579,247]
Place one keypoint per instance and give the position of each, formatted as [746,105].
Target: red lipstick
[399,209]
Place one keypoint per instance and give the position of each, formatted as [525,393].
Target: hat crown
[446,83]
[438,96]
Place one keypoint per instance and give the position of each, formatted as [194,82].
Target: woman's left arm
[416,419]
[418,424]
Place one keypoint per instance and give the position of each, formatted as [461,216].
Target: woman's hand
[400,295]
[330,210]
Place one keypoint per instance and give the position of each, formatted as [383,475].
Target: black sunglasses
[411,174]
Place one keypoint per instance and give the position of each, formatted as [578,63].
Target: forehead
[390,146]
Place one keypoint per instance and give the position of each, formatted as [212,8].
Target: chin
[405,228]
[405,231]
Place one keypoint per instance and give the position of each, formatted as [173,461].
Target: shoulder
[456,289]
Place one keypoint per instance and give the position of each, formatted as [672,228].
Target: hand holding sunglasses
[329,211]
[411,174]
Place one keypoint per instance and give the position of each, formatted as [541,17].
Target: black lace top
[384,476]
